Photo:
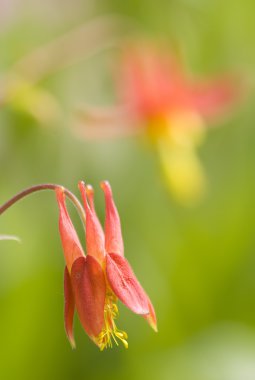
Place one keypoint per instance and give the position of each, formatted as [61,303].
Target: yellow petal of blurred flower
[182,169]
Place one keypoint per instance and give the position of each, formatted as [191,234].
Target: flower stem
[44,186]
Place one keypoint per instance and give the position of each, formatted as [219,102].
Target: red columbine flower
[154,83]
[160,99]
[94,282]
[173,108]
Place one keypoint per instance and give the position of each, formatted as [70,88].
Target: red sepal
[69,307]
[125,285]
[151,317]
[216,96]
[88,283]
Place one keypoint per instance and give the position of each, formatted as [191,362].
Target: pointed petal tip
[72,343]
[113,233]
[94,232]
[152,322]
[81,185]
[105,186]
[82,188]
[60,193]
[151,317]
[61,197]
[87,193]
[90,194]
[69,308]
[89,189]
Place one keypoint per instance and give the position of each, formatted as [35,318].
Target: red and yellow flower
[93,283]
[160,99]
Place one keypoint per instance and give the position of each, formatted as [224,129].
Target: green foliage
[197,264]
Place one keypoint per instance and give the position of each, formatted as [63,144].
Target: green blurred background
[197,264]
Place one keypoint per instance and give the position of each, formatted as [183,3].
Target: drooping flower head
[94,282]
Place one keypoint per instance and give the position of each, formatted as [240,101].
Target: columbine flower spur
[93,283]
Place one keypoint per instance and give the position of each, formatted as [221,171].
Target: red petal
[88,283]
[113,235]
[214,97]
[125,285]
[151,317]
[94,232]
[69,307]
[151,81]
[70,241]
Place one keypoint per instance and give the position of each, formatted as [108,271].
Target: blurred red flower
[160,99]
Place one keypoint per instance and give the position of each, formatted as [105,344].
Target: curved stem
[44,186]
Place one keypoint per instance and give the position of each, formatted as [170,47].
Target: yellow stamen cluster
[110,331]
